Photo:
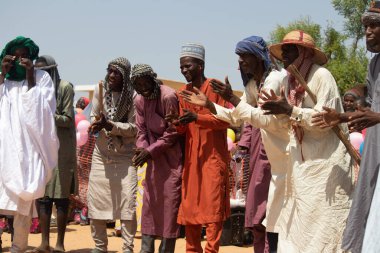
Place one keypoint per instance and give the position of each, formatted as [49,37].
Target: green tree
[352,11]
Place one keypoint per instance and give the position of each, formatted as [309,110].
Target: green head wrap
[17,72]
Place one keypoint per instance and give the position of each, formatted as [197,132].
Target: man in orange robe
[205,193]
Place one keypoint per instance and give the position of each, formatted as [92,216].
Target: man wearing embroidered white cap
[205,195]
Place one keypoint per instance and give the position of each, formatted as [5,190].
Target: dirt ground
[78,239]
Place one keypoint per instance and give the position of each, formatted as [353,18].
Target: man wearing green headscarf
[28,139]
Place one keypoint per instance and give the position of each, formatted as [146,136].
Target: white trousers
[21,225]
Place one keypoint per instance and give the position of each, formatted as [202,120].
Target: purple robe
[258,188]
[162,184]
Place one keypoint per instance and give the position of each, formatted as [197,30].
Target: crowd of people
[303,195]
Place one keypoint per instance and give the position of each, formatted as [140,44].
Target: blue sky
[84,35]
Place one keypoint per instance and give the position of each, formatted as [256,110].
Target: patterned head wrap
[140,70]
[15,73]
[119,112]
[254,45]
[51,68]
[193,50]
[372,15]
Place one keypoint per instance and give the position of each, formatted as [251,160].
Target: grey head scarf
[51,68]
[120,112]
[140,70]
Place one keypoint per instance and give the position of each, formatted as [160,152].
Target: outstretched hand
[273,104]
[362,119]
[223,89]
[196,98]
[327,118]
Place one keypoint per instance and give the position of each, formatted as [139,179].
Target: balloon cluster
[82,124]
[357,141]
[231,137]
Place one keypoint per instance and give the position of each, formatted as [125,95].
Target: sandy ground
[78,239]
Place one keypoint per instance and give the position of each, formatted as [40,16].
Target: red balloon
[79,117]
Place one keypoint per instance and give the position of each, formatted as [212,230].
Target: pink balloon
[83,126]
[230,144]
[81,138]
[78,118]
[356,139]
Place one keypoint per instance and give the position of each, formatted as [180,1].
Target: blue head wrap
[257,46]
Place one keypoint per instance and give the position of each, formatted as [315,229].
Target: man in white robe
[28,140]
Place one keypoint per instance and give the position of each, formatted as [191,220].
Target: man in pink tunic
[158,145]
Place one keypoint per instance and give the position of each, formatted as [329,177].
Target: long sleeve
[1,91]
[255,117]
[38,107]
[170,135]
[209,121]
[325,89]
[64,115]
[227,115]
[181,129]
[142,133]
[372,77]
[128,129]
[273,82]
[245,136]
[95,111]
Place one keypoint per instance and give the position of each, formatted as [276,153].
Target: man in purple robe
[158,145]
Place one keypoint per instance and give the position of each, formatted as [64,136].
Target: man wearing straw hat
[362,231]
[321,176]
[319,182]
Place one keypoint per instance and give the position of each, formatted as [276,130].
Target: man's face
[249,63]
[190,68]
[372,35]
[289,54]
[144,86]
[348,103]
[22,52]
[115,78]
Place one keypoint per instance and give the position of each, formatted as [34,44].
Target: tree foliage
[304,23]
[352,11]
[348,64]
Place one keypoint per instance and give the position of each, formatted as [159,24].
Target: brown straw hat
[301,38]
